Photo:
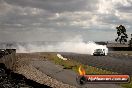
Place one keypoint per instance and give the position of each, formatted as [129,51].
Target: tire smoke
[75,45]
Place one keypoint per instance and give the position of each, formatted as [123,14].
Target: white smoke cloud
[61,57]
[75,45]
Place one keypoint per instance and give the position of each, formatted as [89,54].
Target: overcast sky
[58,20]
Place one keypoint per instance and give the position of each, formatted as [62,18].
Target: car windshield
[98,50]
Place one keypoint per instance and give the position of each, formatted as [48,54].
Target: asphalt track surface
[65,75]
[112,62]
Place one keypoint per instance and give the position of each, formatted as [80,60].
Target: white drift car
[100,52]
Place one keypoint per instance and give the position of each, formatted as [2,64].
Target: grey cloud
[57,5]
[111,19]
[125,9]
[32,20]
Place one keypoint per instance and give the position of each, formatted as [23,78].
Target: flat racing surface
[113,62]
